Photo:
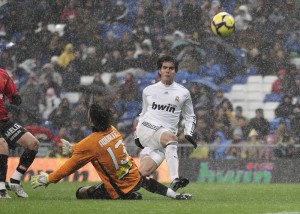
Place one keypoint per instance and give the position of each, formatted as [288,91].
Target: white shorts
[149,136]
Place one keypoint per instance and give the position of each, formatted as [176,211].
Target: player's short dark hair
[101,117]
[167,58]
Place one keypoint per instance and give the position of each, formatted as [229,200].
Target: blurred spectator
[103,11]
[242,124]
[201,96]
[202,150]
[238,112]
[54,49]
[243,18]
[129,60]
[294,89]
[99,92]
[285,108]
[292,43]
[75,132]
[191,14]
[251,148]
[49,83]
[219,147]
[71,9]
[111,43]
[202,130]
[113,84]
[126,43]
[66,56]
[6,59]
[48,69]
[114,62]
[285,143]
[218,98]
[228,108]
[51,102]
[276,17]
[32,97]
[289,79]
[145,57]
[80,111]
[120,12]
[221,115]
[236,145]
[279,60]
[62,134]
[92,63]
[277,85]
[71,78]
[295,124]
[128,90]
[266,152]
[259,123]
[61,115]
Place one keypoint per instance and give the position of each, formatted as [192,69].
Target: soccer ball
[223,24]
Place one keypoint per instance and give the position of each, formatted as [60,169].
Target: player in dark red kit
[12,133]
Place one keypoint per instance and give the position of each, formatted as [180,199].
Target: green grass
[207,198]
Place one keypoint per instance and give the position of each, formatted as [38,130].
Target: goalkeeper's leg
[92,192]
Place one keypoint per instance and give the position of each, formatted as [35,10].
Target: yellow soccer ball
[223,24]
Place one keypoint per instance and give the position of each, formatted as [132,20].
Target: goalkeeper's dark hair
[101,117]
[167,58]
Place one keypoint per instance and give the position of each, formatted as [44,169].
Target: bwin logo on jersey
[168,108]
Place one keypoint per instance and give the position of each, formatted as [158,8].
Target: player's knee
[4,150]
[147,167]
[167,138]
[145,172]
[34,145]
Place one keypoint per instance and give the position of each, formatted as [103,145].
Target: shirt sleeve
[10,88]
[80,157]
[144,104]
[189,116]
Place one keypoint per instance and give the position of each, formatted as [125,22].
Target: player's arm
[144,104]
[190,120]
[80,157]
[11,92]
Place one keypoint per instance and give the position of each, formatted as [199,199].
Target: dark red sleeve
[10,88]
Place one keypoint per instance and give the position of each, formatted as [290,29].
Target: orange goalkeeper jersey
[107,153]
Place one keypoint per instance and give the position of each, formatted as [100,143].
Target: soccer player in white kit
[163,104]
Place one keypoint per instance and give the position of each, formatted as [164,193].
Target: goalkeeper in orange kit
[105,149]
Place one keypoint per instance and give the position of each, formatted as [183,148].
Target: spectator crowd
[47,46]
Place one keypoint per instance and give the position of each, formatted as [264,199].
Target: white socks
[172,159]
[17,176]
[171,193]
[2,185]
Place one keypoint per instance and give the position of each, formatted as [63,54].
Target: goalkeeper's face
[167,73]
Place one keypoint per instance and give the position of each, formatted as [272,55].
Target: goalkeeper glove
[67,147]
[40,180]
[191,140]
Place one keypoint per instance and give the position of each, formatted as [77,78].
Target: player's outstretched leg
[154,186]
[183,196]
[179,183]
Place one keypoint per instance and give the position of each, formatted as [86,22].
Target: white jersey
[163,105]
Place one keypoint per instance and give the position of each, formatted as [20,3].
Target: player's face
[167,72]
